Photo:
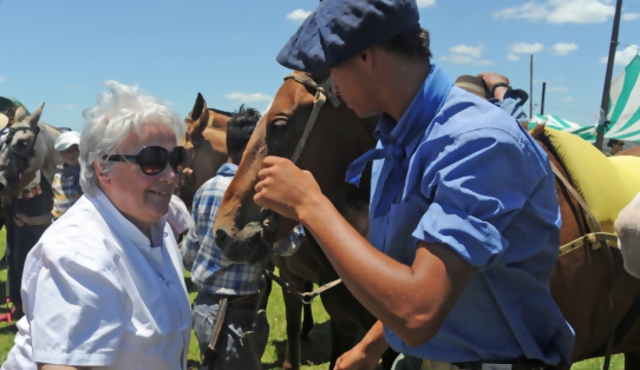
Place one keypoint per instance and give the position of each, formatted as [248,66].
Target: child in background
[66,183]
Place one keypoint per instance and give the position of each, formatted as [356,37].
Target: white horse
[627,227]
[27,148]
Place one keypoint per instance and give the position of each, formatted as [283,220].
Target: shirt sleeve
[511,104]
[80,313]
[193,241]
[476,186]
[60,200]
[289,244]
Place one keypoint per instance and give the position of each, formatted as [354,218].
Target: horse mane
[224,113]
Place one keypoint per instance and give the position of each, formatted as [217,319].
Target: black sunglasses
[153,159]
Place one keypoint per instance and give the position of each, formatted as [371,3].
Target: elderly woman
[104,286]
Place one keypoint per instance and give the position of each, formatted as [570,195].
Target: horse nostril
[221,236]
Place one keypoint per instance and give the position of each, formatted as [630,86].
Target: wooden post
[604,106]
[544,88]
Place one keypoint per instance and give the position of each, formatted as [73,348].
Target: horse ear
[198,107]
[35,117]
[204,122]
[20,114]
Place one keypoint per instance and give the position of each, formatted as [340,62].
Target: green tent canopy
[7,102]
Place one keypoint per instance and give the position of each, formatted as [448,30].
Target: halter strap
[323,92]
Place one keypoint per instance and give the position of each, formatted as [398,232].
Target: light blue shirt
[511,104]
[460,171]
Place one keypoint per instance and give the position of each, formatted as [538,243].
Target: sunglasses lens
[153,160]
[176,159]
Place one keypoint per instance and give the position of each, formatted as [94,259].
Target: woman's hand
[286,189]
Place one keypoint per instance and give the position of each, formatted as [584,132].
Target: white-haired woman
[103,288]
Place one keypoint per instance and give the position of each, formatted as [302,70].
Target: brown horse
[206,147]
[206,152]
[339,137]
[579,283]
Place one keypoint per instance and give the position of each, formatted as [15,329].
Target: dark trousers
[20,240]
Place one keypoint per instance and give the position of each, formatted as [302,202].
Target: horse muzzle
[246,246]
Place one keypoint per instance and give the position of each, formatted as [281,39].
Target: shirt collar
[123,227]
[407,133]
[228,169]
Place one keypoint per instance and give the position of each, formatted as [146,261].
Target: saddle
[607,184]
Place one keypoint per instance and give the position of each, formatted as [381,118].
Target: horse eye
[280,125]
[23,143]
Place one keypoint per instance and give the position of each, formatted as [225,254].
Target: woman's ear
[103,177]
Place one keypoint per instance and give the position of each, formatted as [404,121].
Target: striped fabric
[624,104]
[586,132]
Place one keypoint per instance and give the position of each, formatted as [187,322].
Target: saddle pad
[607,184]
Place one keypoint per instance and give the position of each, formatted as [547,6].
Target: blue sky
[60,52]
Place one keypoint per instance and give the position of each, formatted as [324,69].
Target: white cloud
[560,11]
[524,48]
[558,89]
[298,15]
[564,48]
[630,16]
[245,98]
[426,3]
[74,87]
[568,99]
[463,54]
[624,57]
[65,106]
[513,57]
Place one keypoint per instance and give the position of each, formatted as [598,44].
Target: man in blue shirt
[464,217]
[216,277]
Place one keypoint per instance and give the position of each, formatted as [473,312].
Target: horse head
[21,152]
[206,147]
[307,122]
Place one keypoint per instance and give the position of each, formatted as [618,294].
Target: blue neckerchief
[400,140]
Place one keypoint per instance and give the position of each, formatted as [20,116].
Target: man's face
[354,82]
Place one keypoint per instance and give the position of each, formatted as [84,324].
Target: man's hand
[286,189]
[491,78]
[357,359]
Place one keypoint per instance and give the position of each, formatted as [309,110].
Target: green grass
[314,356]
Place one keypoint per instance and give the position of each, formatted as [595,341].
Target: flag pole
[544,89]
[531,87]
[604,106]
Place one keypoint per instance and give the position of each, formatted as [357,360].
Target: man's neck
[401,85]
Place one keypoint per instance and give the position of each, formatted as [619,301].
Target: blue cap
[338,30]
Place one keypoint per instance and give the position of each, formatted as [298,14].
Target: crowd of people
[101,279]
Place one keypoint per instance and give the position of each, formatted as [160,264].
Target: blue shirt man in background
[464,219]
[217,277]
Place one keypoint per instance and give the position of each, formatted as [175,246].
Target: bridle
[31,152]
[269,222]
[12,132]
[322,94]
